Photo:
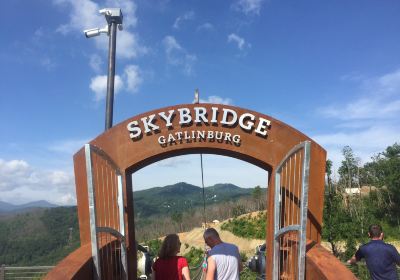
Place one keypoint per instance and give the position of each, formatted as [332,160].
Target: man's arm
[353,260]
[356,257]
[210,268]
[396,256]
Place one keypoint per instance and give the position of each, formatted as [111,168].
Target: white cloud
[130,81]
[47,63]
[68,147]
[173,162]
[186,16]
[178,56]
[85,15]
[132,77]
[205,26]
[380,100]
[96,62]
[248,7]
[98,85]
[171,44]
[367,124]
[17,174]
[365,108]
[241,43]
[128,8]
[217,100]
[66,199]
[365,143]
[127,45]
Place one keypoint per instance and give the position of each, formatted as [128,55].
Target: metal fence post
[2,272]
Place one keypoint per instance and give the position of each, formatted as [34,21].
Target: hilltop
[195,237]
[11,208]
[182,196]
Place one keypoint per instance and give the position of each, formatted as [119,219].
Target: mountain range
[158,200]
[8,207]
[183,196]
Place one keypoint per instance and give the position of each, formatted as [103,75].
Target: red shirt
[169,268]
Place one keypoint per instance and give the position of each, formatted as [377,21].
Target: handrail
[23,272]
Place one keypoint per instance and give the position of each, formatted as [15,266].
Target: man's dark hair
[375,231]
[211,232]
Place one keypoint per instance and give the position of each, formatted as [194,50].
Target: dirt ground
[195,238]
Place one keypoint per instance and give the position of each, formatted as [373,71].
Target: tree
[177,217]
[384,173]
[339,224]
[349,169]
[257,194]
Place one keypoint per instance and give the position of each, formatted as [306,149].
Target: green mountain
[10,208]
[183,196]
[38,237]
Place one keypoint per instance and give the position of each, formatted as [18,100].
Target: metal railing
[23,272]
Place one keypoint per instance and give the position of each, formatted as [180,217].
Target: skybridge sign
[198,124]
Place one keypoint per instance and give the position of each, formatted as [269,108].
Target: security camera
[105,12]
[89,33]
[112,15]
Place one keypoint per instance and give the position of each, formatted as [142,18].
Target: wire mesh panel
[106,215]
[290,213]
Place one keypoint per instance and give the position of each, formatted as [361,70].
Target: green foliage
[349,170]
[360,269]
[39,238]
[347,217]
[247,274]
[243,257]
[384,173]
[247,227]
[194,256]
[154,246]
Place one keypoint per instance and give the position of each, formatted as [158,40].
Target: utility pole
[114,19]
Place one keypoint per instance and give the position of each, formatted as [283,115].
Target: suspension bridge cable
[204,196]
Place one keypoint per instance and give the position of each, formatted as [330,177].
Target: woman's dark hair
[375,231]
[170,246]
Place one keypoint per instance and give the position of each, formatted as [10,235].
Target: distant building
[364,190]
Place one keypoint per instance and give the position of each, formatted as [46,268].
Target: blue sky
[329,68]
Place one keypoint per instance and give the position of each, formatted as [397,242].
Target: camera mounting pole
[114,19]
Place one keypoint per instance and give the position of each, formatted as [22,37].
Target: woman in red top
[169,266]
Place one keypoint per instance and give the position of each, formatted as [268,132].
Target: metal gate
[290,213]
[106,207]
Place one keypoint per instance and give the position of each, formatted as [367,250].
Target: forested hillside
[45,236]
[41,237]
[181,197]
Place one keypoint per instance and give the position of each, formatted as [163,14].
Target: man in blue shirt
[381,258]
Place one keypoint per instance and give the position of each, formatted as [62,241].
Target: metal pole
[111,75]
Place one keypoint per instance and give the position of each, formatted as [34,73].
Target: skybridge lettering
[198,115]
